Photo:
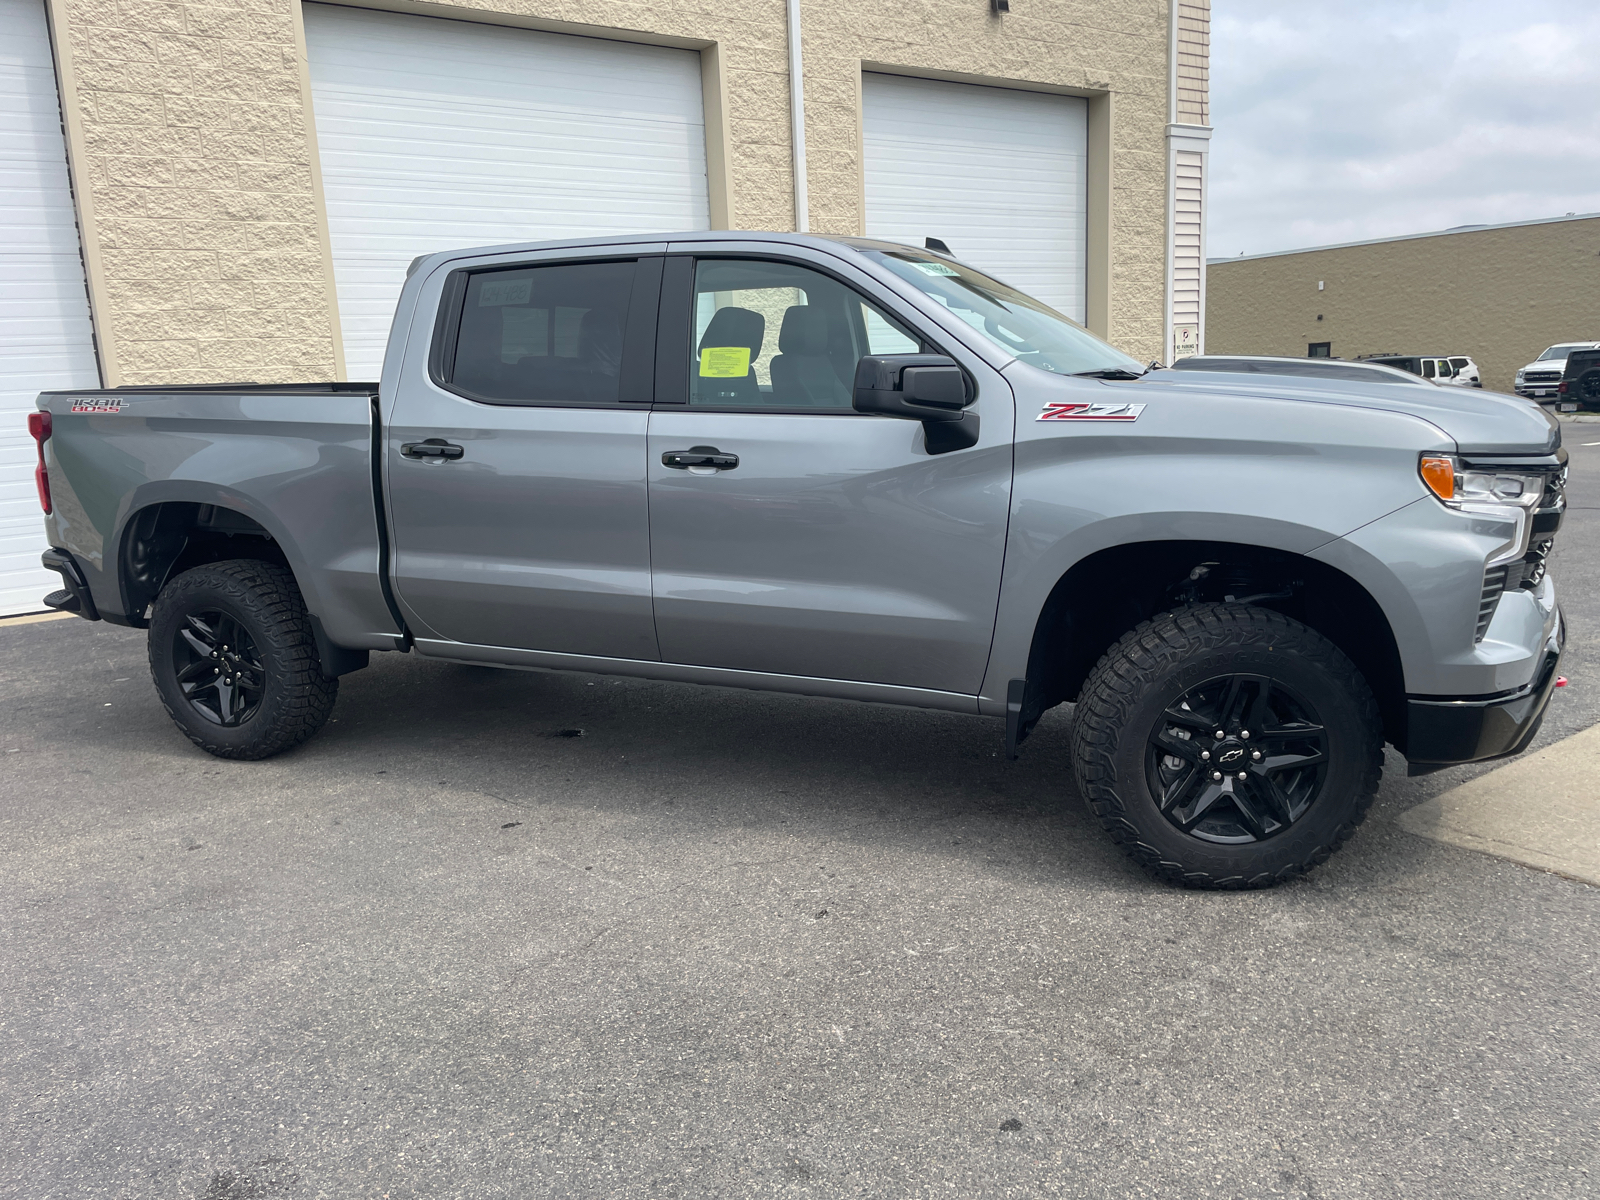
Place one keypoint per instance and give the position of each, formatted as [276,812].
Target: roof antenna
[936,244]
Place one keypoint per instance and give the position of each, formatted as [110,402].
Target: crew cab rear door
[815,541]
[514,463]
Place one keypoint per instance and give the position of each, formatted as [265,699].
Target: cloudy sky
[1338,120]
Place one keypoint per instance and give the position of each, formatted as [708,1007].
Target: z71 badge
[97,404]
[1090,412]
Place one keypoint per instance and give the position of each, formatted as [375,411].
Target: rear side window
[1427,368]
[548,334]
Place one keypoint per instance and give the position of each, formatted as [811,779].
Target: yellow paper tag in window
[724,362]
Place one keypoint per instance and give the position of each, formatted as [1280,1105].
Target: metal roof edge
[1404,237]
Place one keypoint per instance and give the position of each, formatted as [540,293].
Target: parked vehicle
[1453,369]
[928,489]
[1541,379]
[1305,368]
[1579,390]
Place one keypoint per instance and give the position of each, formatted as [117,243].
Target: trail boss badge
[1091,412]
[97,404]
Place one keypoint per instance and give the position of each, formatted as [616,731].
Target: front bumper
[1444,732]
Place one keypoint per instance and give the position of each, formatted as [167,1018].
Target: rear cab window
[563,333]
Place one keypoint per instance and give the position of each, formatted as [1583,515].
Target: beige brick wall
[192,153]
[1498,295]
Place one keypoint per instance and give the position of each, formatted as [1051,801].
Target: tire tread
[269,593]
[1139,659]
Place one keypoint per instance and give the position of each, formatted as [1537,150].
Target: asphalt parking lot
[723,944]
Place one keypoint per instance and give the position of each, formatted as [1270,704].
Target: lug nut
[1219,735]
[1244,775]
[1205,756]
[1244,735]
[1217,775]
[1255,755]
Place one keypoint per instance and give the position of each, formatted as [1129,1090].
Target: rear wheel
[235,662]
[1226,746]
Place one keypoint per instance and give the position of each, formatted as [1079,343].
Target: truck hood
[1479,422]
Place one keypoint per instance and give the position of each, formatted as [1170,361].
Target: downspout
[797,119]
[1172,173]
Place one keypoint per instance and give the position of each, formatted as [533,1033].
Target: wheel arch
[164,538]
[1106,593]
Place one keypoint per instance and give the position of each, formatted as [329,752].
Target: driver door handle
[432,448]
[702,457]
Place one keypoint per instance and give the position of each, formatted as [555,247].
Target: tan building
[232,190]
[1499,294]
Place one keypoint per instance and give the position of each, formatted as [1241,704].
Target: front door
[514,463]
[790,534]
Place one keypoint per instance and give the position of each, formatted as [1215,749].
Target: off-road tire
[266,603]
[1161,660]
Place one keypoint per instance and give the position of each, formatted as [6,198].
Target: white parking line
[1589,443]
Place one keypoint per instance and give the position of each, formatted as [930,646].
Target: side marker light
[1440,476]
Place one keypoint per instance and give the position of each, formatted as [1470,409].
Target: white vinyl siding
[1188,184]
[438,134]
[45,339]
[995,173]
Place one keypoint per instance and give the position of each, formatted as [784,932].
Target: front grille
[1541,377]
[1494,582]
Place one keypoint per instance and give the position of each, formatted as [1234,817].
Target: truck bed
[294,459]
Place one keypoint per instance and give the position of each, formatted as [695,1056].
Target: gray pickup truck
[849,468]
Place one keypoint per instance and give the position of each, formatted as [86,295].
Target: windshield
[1018,324]
[1561,351]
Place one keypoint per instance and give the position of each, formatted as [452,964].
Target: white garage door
[997,174]
[438,134]
[45,341]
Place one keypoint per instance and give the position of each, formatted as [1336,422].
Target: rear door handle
[432,448]
[699,456]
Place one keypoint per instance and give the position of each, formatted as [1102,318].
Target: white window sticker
[504,291]
[928,268]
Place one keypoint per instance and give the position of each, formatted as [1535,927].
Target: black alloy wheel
[234,658]
[1227,746]
[1238,759]
[218,667]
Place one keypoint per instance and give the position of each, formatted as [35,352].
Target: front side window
[1017,323]
[547,334]
[779,335]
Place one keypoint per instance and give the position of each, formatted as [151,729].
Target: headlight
[1469,488]
[1521,373]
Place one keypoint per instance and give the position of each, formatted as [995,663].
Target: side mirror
[929,388]
[917,387]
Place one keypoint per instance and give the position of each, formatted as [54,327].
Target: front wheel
[235,662]
[1227,746]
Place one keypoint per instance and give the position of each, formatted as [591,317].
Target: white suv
[1540,378]
[1447,370]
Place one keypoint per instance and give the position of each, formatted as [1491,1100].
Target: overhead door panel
[437,134]
[45,339]
[997,174]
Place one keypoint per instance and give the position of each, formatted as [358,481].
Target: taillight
[1561,388]
[39,427]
